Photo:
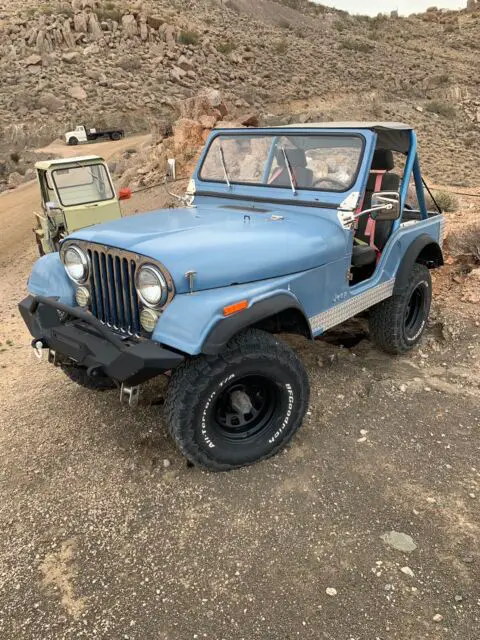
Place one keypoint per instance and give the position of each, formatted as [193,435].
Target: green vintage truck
[75,193]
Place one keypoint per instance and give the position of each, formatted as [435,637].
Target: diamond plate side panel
[442,231]
[345,310]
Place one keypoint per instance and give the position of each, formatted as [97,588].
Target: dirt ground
[106,533]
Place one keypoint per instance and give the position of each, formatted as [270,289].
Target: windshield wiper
[222,158]
[290,172]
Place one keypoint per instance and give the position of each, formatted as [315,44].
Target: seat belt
[371,223]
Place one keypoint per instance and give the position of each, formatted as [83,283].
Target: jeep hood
[226,245]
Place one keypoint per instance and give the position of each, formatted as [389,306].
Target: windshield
[324,162]
[82,185]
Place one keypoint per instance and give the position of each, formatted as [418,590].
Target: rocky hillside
[118,63]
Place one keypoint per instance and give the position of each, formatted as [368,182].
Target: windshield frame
[282,132]
[82,166]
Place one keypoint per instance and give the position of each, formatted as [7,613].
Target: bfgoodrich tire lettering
[239,407]
[397,324]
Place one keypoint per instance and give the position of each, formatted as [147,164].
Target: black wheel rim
[414,312]
[245,408]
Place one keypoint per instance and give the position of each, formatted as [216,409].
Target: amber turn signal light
[235,308]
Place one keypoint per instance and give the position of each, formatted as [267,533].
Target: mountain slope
[107,63]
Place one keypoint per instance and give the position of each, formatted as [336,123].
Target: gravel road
[106,533]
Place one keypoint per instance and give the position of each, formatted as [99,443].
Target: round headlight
[76,264]
[151,286]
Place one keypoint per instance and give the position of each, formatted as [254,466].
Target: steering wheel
[330,181]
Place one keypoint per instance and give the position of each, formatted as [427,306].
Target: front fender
[49,279]
[195,323]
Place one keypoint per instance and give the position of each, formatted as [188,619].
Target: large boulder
[129,25]
[50,101]
[15,179]
[32,60]
[77,92]
[208,102]
[187,136]
[94,27]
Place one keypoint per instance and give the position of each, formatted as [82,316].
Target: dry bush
[226,47]
[189,38]
[465,242]
[441,108]
[446,201]
[281,46]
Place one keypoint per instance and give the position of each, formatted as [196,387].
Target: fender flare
[433,257]
[224,330]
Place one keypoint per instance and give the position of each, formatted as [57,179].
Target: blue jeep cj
[291,229]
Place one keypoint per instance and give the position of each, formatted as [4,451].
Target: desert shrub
[446,201]
[356,45]
[66,10]
[47,9]
[285,24]
[466,242]
[441,108]
[450,28]
[340,25]
[128,63]
[281,46]
[109,12]
[226,47]
[189,37]
[230,4]
[15,157]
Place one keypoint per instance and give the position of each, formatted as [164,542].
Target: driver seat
[298,161]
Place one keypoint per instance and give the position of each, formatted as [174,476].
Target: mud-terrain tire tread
[80,377]
[193,377]
[386,319]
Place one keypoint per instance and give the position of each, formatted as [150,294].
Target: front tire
[397,324]
[239,407]
[73,141]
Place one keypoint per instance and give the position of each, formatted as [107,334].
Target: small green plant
[444,109]
[189,38]
[226,47]
[281,46]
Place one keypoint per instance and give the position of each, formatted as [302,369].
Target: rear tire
[397,324]
[239,407]
[72,141]
[79,376]
[115,136]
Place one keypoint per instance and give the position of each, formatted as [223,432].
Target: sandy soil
[106,533]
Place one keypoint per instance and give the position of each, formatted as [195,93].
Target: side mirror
[171,169]
[125,194]
[386,206]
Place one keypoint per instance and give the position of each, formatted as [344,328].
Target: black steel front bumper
[77,335]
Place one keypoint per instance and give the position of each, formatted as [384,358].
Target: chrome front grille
[114,298]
